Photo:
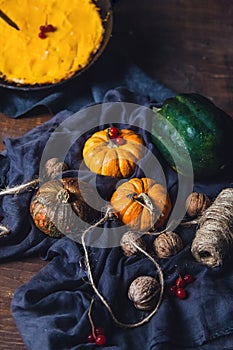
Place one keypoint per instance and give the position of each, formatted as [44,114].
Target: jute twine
[16,190]
[101,297]
[19,188]
[214,237]
[4,230]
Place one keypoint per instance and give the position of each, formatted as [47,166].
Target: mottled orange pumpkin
[106,156]
[57,204]
[142,204]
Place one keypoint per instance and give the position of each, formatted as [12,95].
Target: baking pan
[106,13]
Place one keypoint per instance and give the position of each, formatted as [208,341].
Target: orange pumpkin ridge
[142,204]
[103,156]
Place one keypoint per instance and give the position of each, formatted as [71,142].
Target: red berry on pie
[50,28]
[43,28]
[42,35]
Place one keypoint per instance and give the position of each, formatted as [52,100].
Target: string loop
[102,298]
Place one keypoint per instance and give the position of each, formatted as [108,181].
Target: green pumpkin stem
[156,110]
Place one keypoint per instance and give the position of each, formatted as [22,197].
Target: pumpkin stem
[63,196]
[144,200]
[111,144]
[156,110]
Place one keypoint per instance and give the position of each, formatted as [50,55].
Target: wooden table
[187,45]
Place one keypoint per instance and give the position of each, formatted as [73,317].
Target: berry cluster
[178,288]
[97,337]
[45,29]
[97,334]
[114,134]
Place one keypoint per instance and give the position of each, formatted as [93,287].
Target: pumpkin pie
[55,39]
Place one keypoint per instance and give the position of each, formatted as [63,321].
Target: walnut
[53,167]
[144,292]
[127,240]
[197,203]
[167,244]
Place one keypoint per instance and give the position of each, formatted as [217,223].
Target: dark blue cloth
[51,309]
[112,69]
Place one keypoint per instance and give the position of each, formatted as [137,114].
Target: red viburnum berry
[173,289]
[113,132]
[188,278]
[180,283]
[181,293]
[100,339]
[50,28]
[91,338]
[119,141]
[42,35]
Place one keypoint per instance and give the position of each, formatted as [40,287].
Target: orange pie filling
[27,57]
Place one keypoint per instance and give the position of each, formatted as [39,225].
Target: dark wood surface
[187,45]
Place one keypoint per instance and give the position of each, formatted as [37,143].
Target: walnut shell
[127,240]
[197,203]
[167,244]
[144,292]
[54,167]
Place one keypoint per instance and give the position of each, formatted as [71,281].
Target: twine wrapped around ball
[214,237]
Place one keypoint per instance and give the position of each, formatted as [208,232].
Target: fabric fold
[84,90]
[51,310]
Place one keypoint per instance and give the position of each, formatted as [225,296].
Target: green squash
[190,129]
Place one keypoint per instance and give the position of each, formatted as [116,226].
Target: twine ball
[167,244]
[144,292]
[213,240]
[197,203]
[54,167]
[127,241]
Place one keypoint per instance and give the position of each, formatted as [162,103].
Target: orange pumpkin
[143,204]
[115,157]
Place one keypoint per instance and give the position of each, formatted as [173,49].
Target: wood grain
[13,275]
[17,127]
[185,44]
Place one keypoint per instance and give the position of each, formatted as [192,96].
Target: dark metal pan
[107,18]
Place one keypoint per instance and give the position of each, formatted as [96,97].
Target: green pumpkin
[190,129]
